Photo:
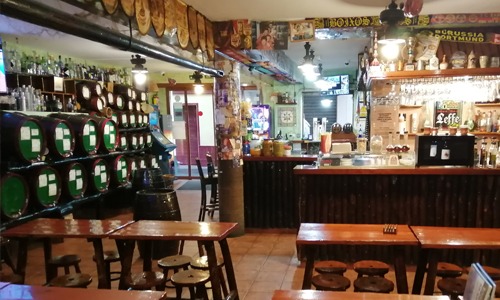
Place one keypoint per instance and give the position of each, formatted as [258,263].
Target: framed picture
[301,31]
[287,116]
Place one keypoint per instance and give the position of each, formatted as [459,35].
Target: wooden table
[434,238]
[313,235]
[93,230]
[327,295]
[27,292]
[203,232]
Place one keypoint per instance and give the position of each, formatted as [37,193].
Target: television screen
[337,85]
[3,82]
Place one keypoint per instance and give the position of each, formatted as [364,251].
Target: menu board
[383,119]
[448,113]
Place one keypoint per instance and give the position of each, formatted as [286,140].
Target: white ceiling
[332,53]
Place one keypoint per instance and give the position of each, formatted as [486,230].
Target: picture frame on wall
[301,31]
[287,116]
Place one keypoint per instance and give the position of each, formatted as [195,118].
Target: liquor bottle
[493,151]
[482,122]
[444,64]
[390,147]
[494,121]
[470,121]
[488,122]
[434,63]
[482,153]
[445,151]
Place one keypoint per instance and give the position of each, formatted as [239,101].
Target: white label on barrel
[92,140]
[100,105]
[132,119]
[153,161]
[139,119]
[66,132]
[52,189]
[35,145]
[143,96]
[104,177]
[148,139]
[92,128]
[129,92]
[59,133]
[123,163]
[112,138]
[25,133]
[103,168]
[146,119]
[42,180]
[52,177]
[86,129]
[133,166]
[97,171]
[66,144]
[85,92]
[119,101]
[134,141]
[141,140]
[78,173]
[98,89]
[111,100]
[34,132]
[143,165]
[79,183]
[124,118]
[133,94]
[124,141]
[124,173]
[137,106]
[72,175]
[114,118]
[106,129]
[130,105]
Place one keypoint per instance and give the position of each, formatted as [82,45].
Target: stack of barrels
[47,160]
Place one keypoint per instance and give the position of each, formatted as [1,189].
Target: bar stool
[371,268]
[214,179]
[110,256]
[201,263]
[78,280]
[204,181]
[195,280]
[453,287]
[174,263]
[494,273]
[448,270]
[373,285]
[330,282]
[63,261]
[146,281]
[330,267]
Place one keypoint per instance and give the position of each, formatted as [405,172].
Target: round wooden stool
[447,270]
[453,287]
[330,267]
[63,261]
[195,280]
[174,263]
[146,281]
[110,256]
[12,278]
[373,285]
[201,263]
[331,282]
[494,273]
[371,268]
[78,280]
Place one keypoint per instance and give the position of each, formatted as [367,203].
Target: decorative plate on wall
[193,26]
[158,16]
[142,16]
[287,116]
[210,39]
[110,6]
[128,7]
[169,7]
[202,34]
[181,19]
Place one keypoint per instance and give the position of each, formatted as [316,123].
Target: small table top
[353,234]
[175,230]
[66,228]
[457,237]
[27,292]
[328,295]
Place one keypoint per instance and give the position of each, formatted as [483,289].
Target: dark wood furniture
[432,239]
[313,235]
[205,205]
[47,229]
[328,295]
[205,233]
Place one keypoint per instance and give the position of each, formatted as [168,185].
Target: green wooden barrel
[75,180]
[133,141]
[14,193]
[132,119]
[148,140]
[47,186]
[108,132]
[60,136]
[99,175]
[119,171]
[85,129]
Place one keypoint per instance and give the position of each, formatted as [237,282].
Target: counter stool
[371,268]
[195,280]
[330,282]
[174,263]
[110,256]
[201,263]
[447,270]
[330,267]
[205,181]
[146,281]
[453,287]
[78,280]
[63,261]
[494,273]
[373,285]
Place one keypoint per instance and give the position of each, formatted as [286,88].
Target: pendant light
[308,68]
[390,18]
[139,72]
[198,85]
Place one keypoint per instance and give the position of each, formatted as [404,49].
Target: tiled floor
[263,262]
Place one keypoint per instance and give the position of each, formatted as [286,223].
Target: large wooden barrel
[147,178]
[118,102]
[110,98]
[121,119]
[75,180]
[132,119]
[99,175]
[47,186]
[140,140]
[85,130]
[148,140]
[83,92]
[145,120]
[158,204]
[14,193]
[133,141]
[108,132]
[132,166]
[22,138]
[119,171]
[122,142]
[60,136]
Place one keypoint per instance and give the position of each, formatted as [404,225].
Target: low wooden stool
[110,256]
[78,280]
[201,263]
[63,261]
[174,263]
[330,267]
[12,278]
[453,287]
[447,270]
[146,281]
[494,273]
[371,268]
[331,282]
[373,285]
[195,280]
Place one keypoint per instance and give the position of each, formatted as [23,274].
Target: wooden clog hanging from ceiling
[202,36]
[193,27]
[210,39]
[110,6]
[181,19]
[143,16]
[128,7]
[158,16]
[170,7]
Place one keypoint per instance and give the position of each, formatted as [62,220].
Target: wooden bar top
[457,237]
[27,292]
[327,295]
[353,234]
[66,228]
[383,170]
[175,230]
[306,158]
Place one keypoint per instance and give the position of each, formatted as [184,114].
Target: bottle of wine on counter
[482,153]
[493,151]
[445,151]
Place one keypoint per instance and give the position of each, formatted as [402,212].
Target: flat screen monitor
[3,82]
[337,85]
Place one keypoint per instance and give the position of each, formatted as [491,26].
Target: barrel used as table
[60,137]
[85,130]
[14,193]
[47,186]
[75,179]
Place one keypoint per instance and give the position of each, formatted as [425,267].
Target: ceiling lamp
[308,68]
[139,71]
[390,18]
[198,85]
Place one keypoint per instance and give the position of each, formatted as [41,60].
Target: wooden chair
[204,206]
[214,180]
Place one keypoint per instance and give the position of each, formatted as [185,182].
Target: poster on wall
[272,36]
[302,31]
[384,119]
[448,113]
